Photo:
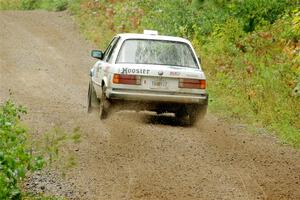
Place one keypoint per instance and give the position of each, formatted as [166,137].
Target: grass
[252,76]
[52,5]
[250,51]
[56,147]
[256,85]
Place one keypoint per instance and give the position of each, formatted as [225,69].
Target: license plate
[159,84]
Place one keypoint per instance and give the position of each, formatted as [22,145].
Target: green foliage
[55,139]
[10,5]
[56,146]
[55,5]
[249,49]
[296,23]
[29,4]
[256,12]
[60,5]
[260,71]
[15,156]
[168,17]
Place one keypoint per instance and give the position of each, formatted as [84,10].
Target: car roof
[152,37]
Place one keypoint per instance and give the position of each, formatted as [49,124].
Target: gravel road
[44,64]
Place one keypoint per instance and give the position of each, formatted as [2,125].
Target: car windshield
[157,52]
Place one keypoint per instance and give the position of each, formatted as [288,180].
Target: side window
[110,49]
[112,52]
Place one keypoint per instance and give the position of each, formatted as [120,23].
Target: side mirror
[97,54]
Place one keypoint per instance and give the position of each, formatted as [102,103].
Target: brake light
[127,79]
[192,83]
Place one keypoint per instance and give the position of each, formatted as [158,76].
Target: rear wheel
[196,113]
[92,100]
[181,115]
[104,105]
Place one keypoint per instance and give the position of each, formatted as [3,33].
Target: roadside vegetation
[54,5]
[57,145]
[20,154]
[250,50]
[16,156]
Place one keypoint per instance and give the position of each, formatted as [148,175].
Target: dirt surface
[44,63]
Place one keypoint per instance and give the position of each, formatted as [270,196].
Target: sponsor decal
[174,73]
[96,71]
[106,69]
[192,75]
[134,71]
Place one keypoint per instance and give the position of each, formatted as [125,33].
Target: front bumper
[156,96]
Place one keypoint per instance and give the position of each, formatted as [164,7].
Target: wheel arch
[104,82]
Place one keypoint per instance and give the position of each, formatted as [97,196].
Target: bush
[57,5]
[10,5]
[256,12]
[250,49]
[168,17]
[29,4]
[15,155]
[296,23]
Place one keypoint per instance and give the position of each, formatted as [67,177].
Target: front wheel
[104,105]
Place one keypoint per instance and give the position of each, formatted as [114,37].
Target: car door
[100,69]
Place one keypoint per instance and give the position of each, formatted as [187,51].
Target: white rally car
[148,72]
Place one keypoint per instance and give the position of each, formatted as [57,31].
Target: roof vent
[150,32]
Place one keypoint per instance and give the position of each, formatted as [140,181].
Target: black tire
[181,115]
[197,113]
[92,100]
[104,105]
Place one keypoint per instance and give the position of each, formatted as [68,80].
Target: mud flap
[92,100]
